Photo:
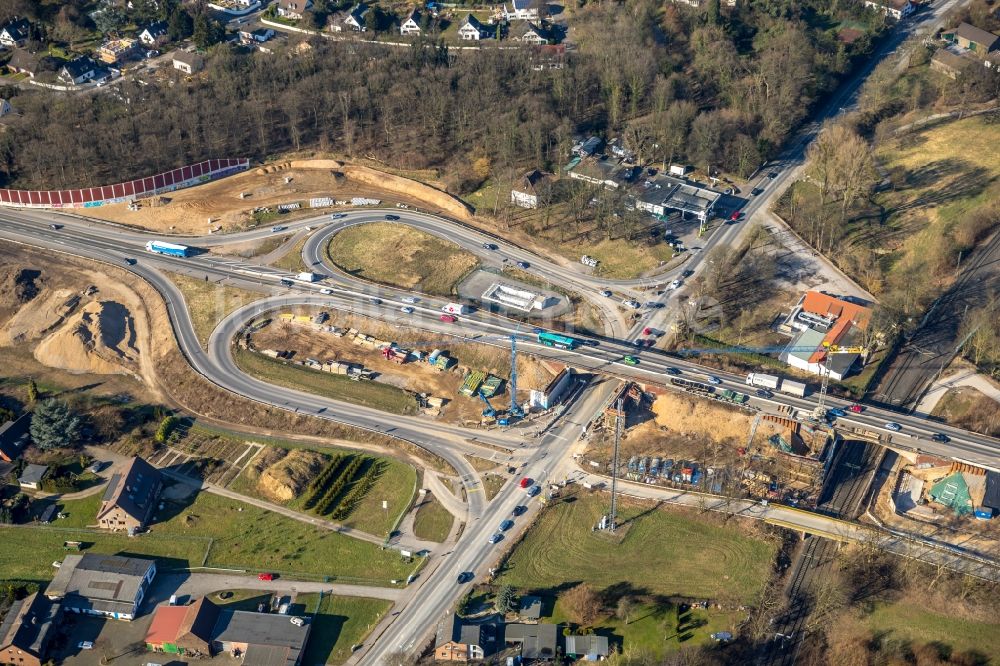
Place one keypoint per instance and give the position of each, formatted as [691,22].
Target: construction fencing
[90,197]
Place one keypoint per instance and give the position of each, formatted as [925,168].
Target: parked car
[265,576]
[893,426]
[392,218]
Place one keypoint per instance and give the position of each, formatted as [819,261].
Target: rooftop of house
[107,582]
[22,59]
[826,305]
[14,434]
[17,28]
[977,35]
[29,623]
[78,66]
[186,57]
[589,645]
[538,641]
[33,474]
[531,607]
[156,28]
[951,60]
[133,490]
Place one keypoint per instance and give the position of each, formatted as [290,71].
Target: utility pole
[613,522]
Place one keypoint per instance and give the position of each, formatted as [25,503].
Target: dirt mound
[99,339]
[38,316]
[700,416]
[286,479]
[18,286]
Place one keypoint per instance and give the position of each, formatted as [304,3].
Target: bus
[556,340]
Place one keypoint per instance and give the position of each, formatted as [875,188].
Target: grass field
[292,261]
[339,387]
[911,622]
[80,512]
[432,522]
[401,256]
[339,623]
[663,552]
[246,600]
[968,408]
[492,484]
[209,303]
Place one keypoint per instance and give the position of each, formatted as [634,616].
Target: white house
[471,29]
[532,34]
[15,33]
[32,476]
[355,19]
[154,33]
[78,71]
[525,193]
[411,26]
[520,10]
[258,36]
[189,63]
[897,9]
[293,9]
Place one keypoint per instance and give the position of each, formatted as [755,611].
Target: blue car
[836,413]
[506,525]
[533,490]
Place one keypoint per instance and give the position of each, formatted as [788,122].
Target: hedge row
[330,498]
[358,491]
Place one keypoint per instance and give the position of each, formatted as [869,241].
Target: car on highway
[375,301]
[265,576]
[755,191]
[448,319]
[278,228]
[55,227]
[631,303]
[893,426]
[630,360]
[285,282]
[326,291]
[85,645]
[672,371]
[518,510]
[687,273]
[523,265]
[534,490]
[392,218]
[129,261]
[836,413]
[674,285]
[338,216]
[774,174]
[763,393]
[410,299]
[652,305]
[406,309]
[496,538]
[465,577]
[941,437]
[712,379]
[490,246]
[606,293]
[525,482]
[638,342]
[856,408]
[737,214]
[506,525]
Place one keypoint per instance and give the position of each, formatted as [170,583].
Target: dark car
[941,437]
[518,510]
[465,576]
[672,371]
[392,218]
[764,393]
[523,265]
[490,246]
[55,227]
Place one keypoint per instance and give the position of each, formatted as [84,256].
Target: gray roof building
[27,629]
[108,585]
[33,475]
[537,641]
[977,39]
[13,436]
[270,640]
[589,648]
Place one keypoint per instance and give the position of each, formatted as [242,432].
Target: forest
[719,88]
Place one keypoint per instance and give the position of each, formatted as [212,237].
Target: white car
[85,645]
[278,228]
[410,299]
[712,379]
[326,291]
[406,309]
[893,426]
[674,285]
[631,303]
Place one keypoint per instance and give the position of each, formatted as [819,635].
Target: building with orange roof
[823,327]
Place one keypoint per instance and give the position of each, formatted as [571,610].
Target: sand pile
[99,339]
[17,287]
[38,316]
[685,414]
[287,479]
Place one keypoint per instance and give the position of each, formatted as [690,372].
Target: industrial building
[105,585]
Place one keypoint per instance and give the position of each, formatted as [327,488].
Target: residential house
[104,585]
[537,642]
[472,30]
[532,34]
[596,172]
[32,476]
[293,9]
[154,34]
[24,62]
[897,9]
[117,50]
[15,33]
[587,147]
[521,10]
[130,498]
[203,629]
[975,39]
[256,36]
[460,641]
[587,648]
[189,63]
[26,631]
[411,26]
[525,192]
[948,63]
[355,19]
[13,434]
[77,71]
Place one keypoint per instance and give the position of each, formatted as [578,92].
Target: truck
[309,277]
[455,309]
[778,384]
[172,249]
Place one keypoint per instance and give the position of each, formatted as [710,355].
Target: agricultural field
[339,623]
[209,303]
[691,555]
[401,256]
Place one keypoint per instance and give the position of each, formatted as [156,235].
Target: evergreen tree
[714,16]
[32,391]
[506,600]
[179,25]
[54,425]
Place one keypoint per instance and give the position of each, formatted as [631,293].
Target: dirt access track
[217,206]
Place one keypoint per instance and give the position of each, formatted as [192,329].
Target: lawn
[292,260]
[432,522]
[244,536]
[28,552]
[492,484]
[339,623]
[338,387]
[209,302]
[401,256]
[244,600]
[663,552]
[911,622]
[79,512]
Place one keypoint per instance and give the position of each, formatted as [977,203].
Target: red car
[525,482]
[265,576]
[647,331]
[448,319]
[736,215]
[856,408]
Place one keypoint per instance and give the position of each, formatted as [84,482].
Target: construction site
[711,441]
[458,381]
